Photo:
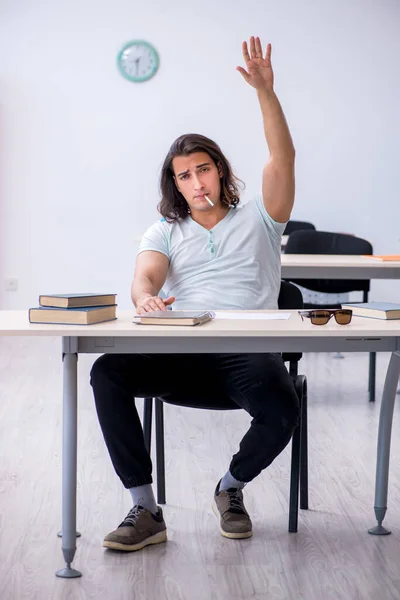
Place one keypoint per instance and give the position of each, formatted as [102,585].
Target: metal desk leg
[384,437]
[69,458]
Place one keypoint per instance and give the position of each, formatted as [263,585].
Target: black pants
[258,383]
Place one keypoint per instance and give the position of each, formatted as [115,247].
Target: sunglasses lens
[343,317]
[319,317]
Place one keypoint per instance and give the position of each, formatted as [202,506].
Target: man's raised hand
[259,73]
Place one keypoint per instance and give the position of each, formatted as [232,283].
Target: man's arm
[150,275]
[278,184]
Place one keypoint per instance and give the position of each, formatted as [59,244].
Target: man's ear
[220,171]
[176,182]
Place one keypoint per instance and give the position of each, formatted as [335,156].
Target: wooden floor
[331,557]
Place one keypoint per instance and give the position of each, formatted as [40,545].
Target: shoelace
[235,502]
[132,516]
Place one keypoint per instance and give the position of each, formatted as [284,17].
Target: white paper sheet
[251,316]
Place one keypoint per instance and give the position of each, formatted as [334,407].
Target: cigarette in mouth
[208,200]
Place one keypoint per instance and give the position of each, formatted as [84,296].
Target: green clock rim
[153,52]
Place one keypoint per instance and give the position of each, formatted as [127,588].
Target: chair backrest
[290,297]
[326,242]
[296,226]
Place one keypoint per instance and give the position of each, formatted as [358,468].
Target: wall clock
[138,61]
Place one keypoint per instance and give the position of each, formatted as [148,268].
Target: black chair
[326,242]
[290,297]
[296,226]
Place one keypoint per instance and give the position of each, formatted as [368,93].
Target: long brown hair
[173,205]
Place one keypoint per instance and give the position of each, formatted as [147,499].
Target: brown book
[88,315]
[76,300]
[174,317]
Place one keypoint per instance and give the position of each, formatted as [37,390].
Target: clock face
[138,61]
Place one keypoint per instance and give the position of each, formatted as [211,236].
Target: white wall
[81,147]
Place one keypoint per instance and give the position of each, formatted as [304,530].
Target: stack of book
[74,309]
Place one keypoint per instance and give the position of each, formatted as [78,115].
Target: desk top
[338,260]
[337,266]
[15,323]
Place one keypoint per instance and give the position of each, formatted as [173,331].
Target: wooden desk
[121,336]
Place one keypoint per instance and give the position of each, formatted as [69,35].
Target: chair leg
[372,376]
[147,417]
[294,480]
[372,365]
[300,384]
[293,370]
[304,450]
[160,455]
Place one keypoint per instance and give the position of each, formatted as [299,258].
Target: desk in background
[329,266]
[341,266]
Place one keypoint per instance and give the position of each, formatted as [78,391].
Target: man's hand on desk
[150,303]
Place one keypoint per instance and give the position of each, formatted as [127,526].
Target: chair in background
[289,298]
[296,226]
[325,242]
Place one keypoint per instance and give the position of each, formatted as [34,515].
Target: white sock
[143,495]
[228,481]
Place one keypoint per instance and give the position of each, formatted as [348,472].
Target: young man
[208,252]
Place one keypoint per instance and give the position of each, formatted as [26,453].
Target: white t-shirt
[234,266]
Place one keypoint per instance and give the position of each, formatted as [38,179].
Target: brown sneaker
[140,528]
[234,520]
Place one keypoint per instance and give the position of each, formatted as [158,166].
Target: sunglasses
[321,316]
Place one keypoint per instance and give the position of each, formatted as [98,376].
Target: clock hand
[137,61]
